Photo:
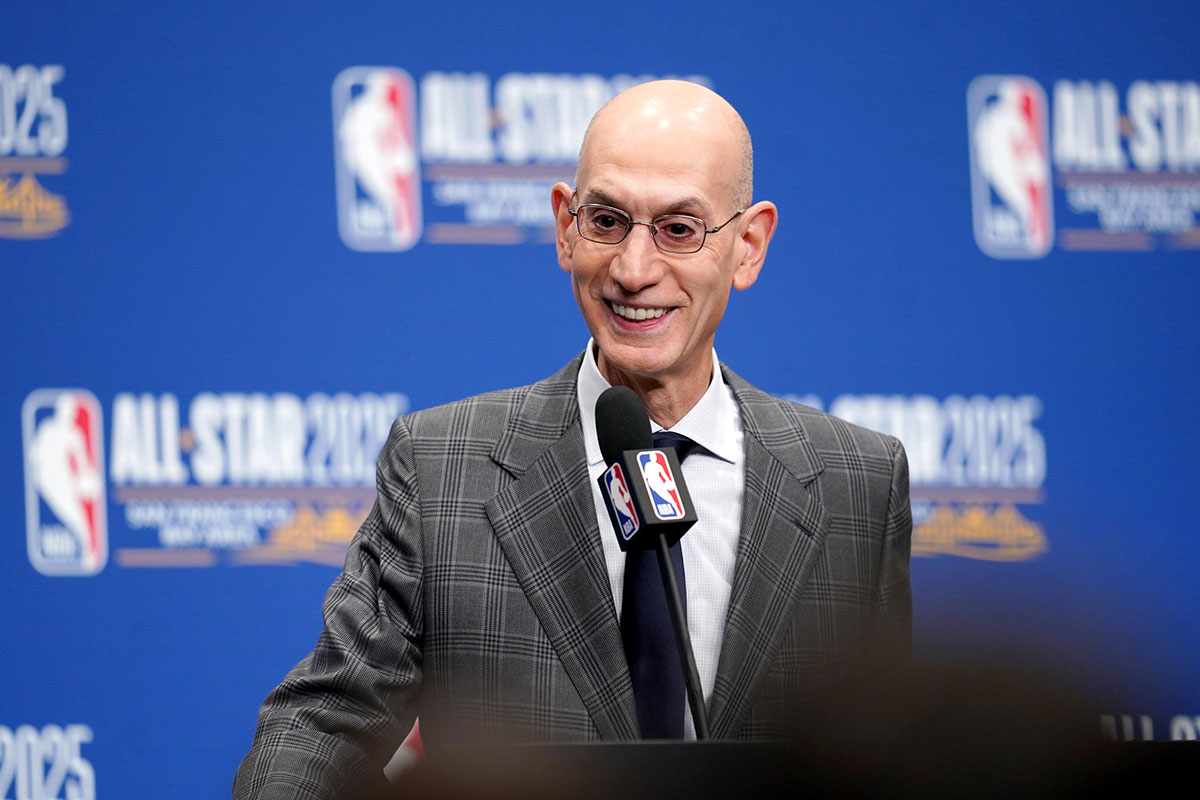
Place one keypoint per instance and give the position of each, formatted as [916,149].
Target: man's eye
[680,229]
[606,221]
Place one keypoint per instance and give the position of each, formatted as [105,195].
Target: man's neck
[667,400]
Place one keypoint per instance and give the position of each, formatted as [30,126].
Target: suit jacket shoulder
[775,421]
[513,424]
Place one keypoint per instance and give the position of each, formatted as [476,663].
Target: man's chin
[624,365]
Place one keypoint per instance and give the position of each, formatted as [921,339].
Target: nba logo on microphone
[620,501]
[660,483]
[378,172]
[1011,193]
[65,502]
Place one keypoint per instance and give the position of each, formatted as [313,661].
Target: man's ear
[564,224]
[756,230]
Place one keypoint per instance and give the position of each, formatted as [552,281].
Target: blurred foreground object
[947,729]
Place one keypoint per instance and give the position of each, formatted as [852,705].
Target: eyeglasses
[672,233]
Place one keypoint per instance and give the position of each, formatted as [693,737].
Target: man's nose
[639,263]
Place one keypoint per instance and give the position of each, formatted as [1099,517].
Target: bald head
[652,289]
[679,110]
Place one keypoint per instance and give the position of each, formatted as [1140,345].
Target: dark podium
[663,770]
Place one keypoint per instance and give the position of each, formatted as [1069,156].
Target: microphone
[650,508]
[643,487]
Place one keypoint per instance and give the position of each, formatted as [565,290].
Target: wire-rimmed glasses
[672,233]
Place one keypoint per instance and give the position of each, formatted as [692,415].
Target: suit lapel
[783,532]
[545,521]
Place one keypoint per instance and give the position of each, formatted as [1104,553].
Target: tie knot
[682,445]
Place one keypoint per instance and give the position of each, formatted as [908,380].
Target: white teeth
[638,314]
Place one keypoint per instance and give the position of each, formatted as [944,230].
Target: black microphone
[621,423]
[643,487]
[650,507]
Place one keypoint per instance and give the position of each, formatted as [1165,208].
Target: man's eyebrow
[599,196]
[692,204]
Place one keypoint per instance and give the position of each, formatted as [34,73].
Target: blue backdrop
[235,243]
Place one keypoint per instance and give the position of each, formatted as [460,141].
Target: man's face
[680,298]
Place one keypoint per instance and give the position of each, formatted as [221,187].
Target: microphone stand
[683,640]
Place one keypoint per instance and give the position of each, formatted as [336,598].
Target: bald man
[486,591]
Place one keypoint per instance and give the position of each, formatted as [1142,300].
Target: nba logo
[620,501]
[64,482]
[664,494]
[1011,194]
[378,174]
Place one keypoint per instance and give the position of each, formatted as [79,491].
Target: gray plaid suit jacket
[476,594]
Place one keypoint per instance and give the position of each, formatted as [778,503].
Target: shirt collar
[713,423]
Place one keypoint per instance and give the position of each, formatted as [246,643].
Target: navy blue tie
[658,687]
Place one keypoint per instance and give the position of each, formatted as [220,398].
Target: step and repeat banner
[237,241]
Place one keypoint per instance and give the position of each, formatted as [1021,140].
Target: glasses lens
[678,234]
[602,224]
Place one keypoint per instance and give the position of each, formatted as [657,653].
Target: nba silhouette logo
[65,502]
[620,501]
[1011,194]
[378,172]
[660,483]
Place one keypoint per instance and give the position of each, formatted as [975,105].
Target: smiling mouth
[636,314]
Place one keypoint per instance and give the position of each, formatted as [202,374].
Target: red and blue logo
[378,171]
[660,483]
[621,501]
[65,500]
[1011,193]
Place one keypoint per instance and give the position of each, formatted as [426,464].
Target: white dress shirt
[716,479]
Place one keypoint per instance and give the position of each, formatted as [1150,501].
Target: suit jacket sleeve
[332,724]
[893,598]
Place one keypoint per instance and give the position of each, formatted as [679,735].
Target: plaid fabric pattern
[476,592]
